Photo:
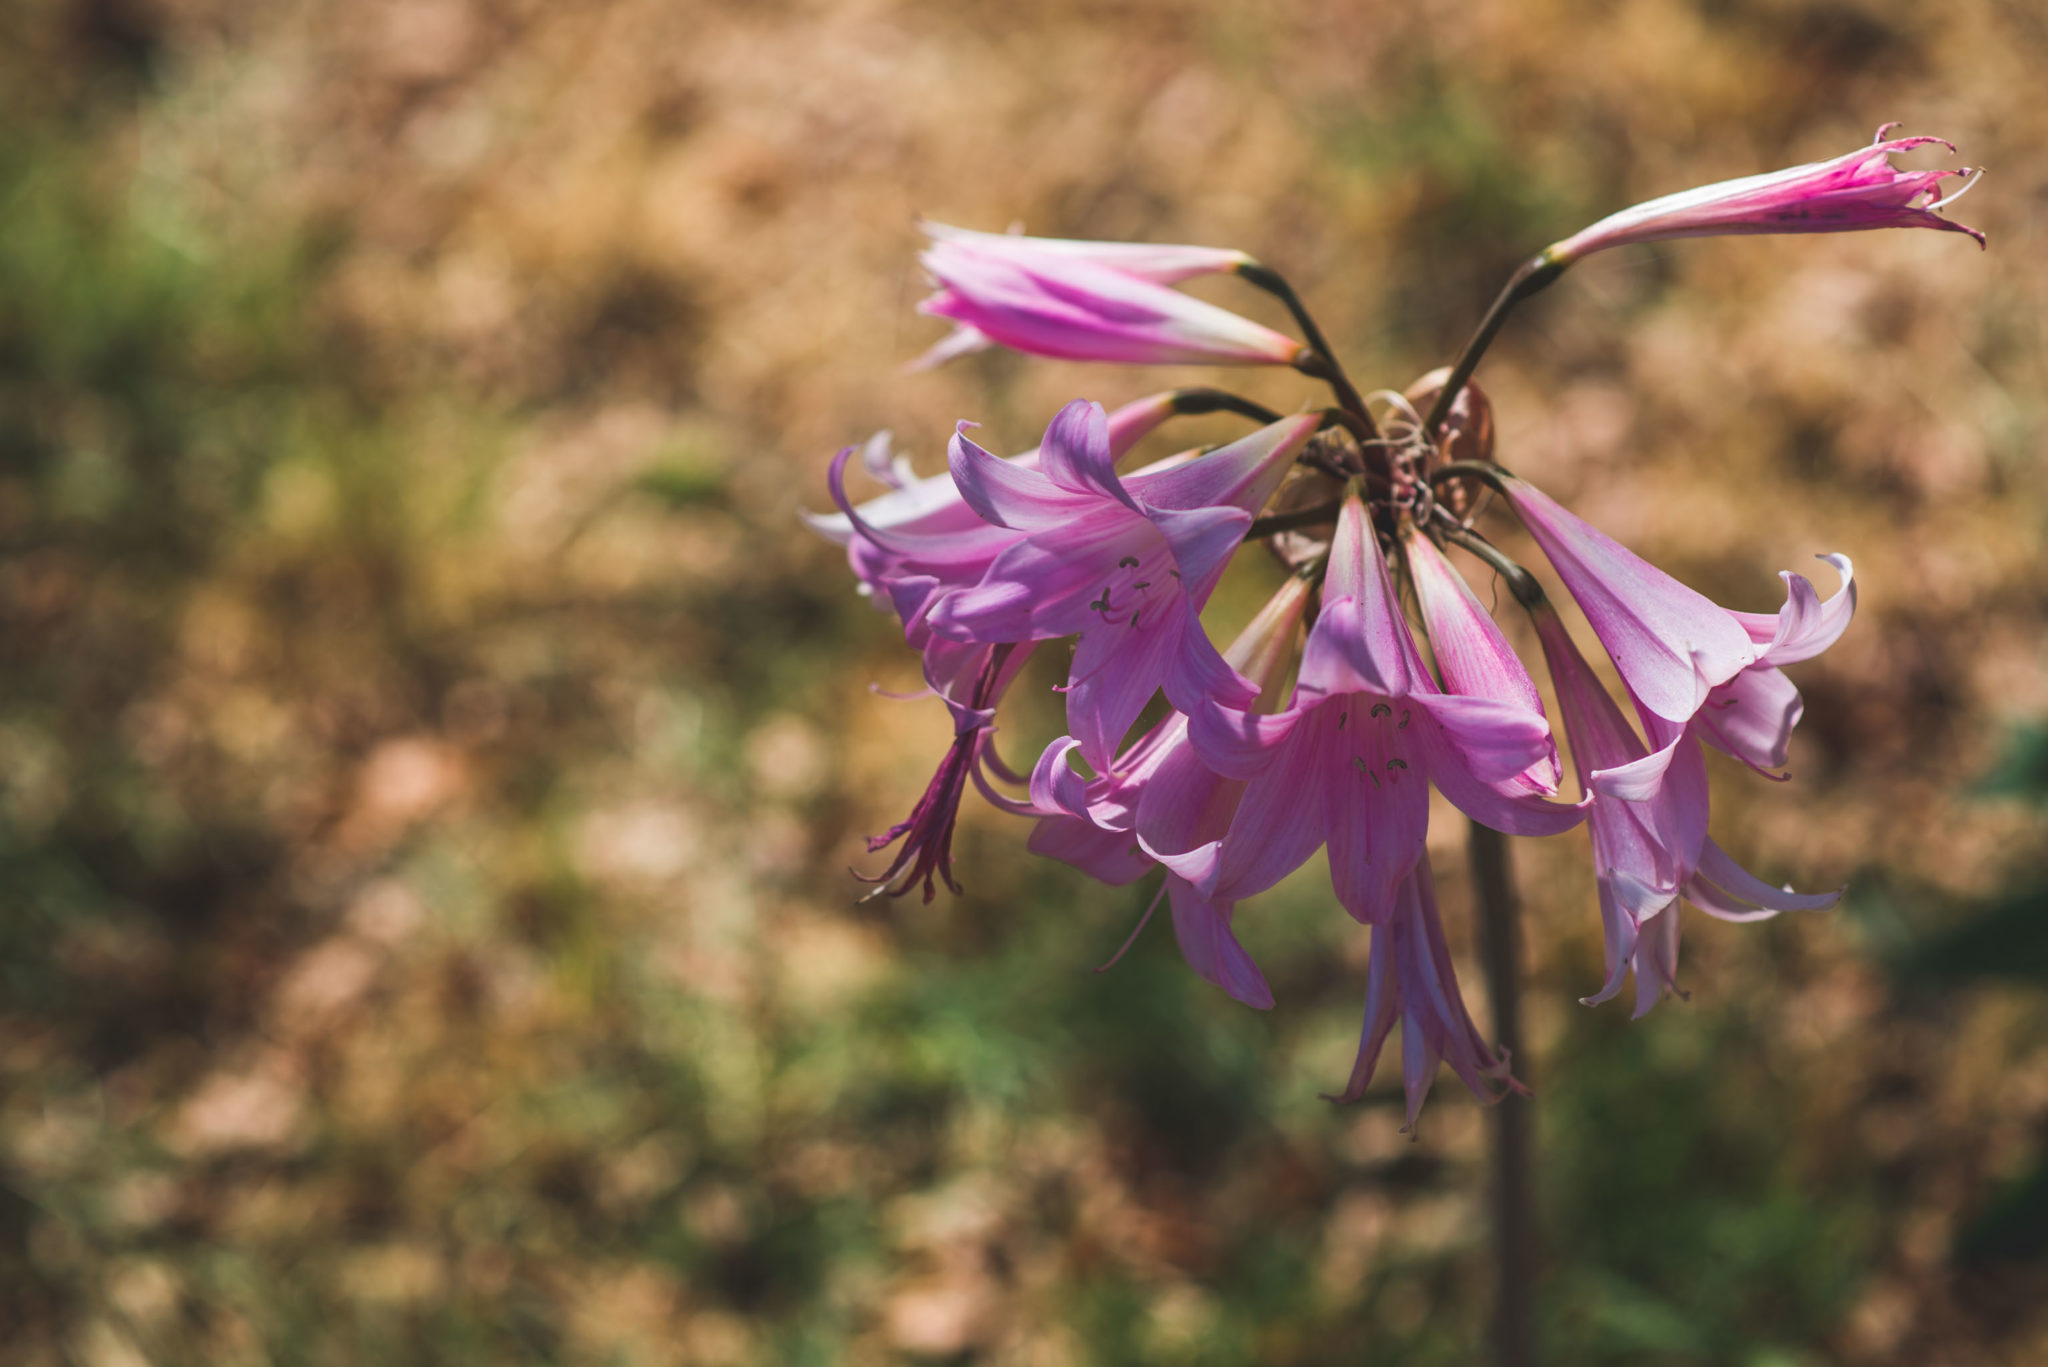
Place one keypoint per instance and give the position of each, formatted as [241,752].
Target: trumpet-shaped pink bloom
[1855,191]
[1649,827]
[1161,797]
[1350,762]
[1126,569]
[1090,302]
[1410,980]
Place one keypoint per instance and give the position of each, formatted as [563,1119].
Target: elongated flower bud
[1067,300]
[1850,193]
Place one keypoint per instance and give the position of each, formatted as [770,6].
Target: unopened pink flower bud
[1855,191]
[1090,301]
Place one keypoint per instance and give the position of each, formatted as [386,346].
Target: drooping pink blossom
[1126,568]
[1855,191]
[1090,302]
[1350,762]
[1409,980]
[1649,827]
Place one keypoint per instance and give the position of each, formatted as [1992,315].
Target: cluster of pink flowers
[1322,726]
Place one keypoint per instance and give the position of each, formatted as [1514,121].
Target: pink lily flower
[1410,979]
[1350,761]
[1160,797]
[1856,191]
[913,547]
[1090,302]
[1649,824]
[1126,568]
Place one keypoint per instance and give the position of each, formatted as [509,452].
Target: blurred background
[431,751]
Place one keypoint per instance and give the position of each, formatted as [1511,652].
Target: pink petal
[1243,474]
[1237,743]
[1375,784]
[1203,540]
[1076,454]
[1751,717]
[1618,945]
[1055,787]
[1472,655]
[1159,263]
[1360,642]
[1006,493]
[1077,310]
[1203,929]
[1045,585]
[1805,626]
[1111,857]
[1670,643]
[1279,821]
[1719,873]
[1656,959]
[1117,669]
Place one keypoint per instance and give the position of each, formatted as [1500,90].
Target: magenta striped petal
[1671,644]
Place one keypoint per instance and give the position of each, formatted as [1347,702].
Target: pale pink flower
[1855,191]
[1649,822]
[1350,762]
[1409,979]
[1090,301]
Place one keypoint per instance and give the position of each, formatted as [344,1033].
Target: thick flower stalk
[1375,675]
